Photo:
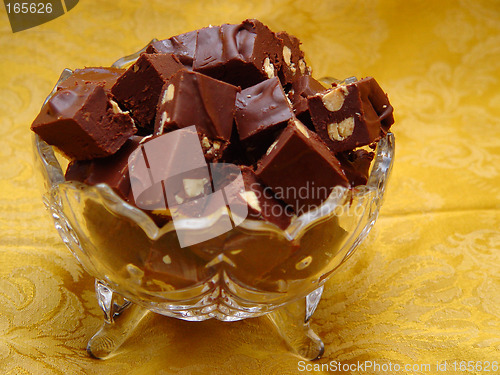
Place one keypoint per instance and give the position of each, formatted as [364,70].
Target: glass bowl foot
[292,323]
[120,319]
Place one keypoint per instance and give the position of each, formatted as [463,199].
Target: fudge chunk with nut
[293,65]
[83,122]
[242,55]
[139,88]
[112,170]
[300,169]
[356,165]
[351,115]
[191,98]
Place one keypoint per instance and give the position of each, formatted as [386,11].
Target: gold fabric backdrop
[424,287]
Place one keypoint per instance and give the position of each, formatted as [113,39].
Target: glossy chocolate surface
[345,116]
[242,55]
[112,170]
[261,109]
[303,87]
[191,98]
[300,169]
[101,75]
[356,165]
[183,46]
[83,122]
[139,88]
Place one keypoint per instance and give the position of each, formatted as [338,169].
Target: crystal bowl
[254,269]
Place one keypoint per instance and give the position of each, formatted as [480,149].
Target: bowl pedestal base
[122,316]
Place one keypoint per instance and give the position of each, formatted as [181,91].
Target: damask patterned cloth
[424,288]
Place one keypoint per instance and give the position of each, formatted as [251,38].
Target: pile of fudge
[254,103]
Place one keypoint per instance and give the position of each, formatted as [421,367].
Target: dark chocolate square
[242,55]
[261,201]
[345,116]
[356,165]
[302,88]
[83,122]
[261,110]
[139,88]
[182,46]
[300,169]
[192,98]
[112,170]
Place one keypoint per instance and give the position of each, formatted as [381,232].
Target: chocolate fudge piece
[242,55]
[261,201]
[249,198]
[185,191]
[159,167]
[139,88]
[182,46]
[261,110]
[112,170]
[380,102]
[293,64]
[233,153]
[351,115]
[300,169]
[302,88]
[83,122]
[214,150]
[356,165]
[192,98]
[105,76]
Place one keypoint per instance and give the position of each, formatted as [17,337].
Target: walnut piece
[251,198]
[334,100]
[342,130]
[115,107]
[302,66]
[287,55]
[194,186]
[169,94]
[301,128]
[268,67]
[205,142]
